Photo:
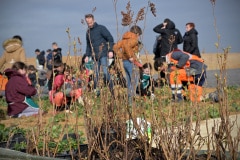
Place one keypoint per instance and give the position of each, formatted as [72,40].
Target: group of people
[180,69]
[184,68]
[103,55]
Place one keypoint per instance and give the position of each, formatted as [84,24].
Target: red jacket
[17,88]
[58,82]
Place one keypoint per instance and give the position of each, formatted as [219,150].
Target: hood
[129,35]
[42,53]
[193,31]
[11,73]
[12,45]
[170,25]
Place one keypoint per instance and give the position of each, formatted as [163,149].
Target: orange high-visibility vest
[3,82]
[170,60]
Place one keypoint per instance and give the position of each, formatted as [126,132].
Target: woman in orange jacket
[126,49]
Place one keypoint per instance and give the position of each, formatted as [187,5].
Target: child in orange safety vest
[185,67]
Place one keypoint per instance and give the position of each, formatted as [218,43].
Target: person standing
[170,37]
[49,57]
[13,51]
[190,40]
[99,42]
[126,49]
[40,58]
[57,50]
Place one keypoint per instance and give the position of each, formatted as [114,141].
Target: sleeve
[179,37]
[58,82]
[158,29]
[193,43]
[182,58]
[129,47]
[2,60]
[88,47]
[118,49]
[24,88]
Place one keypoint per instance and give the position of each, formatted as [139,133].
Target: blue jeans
[101,65]
[132,76]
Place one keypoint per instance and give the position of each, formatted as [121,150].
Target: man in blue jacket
[99,42]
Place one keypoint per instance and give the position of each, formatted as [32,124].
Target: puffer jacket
[127,47]
[17,88]
[190,42]
[99,41]
[166,34]
[13,52]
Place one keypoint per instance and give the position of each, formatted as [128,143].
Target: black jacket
[170,32]
[190,42]
[41,58]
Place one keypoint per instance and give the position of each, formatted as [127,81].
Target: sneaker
[152,96]
[68,111]
[80,101]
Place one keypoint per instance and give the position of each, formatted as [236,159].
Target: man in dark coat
[57,49]
[170,37]
[99,42]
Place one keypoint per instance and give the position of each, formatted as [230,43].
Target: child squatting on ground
[146,87]
[19,92]
[63,92]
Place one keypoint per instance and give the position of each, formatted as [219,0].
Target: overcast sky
[45,21]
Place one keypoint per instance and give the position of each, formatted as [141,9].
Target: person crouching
[18,90]
[184,67]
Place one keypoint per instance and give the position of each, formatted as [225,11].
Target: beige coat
[13,52]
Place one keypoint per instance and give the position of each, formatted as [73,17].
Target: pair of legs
[195,86]
[102,65]
[60,100]
[29,111]
[132,76]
